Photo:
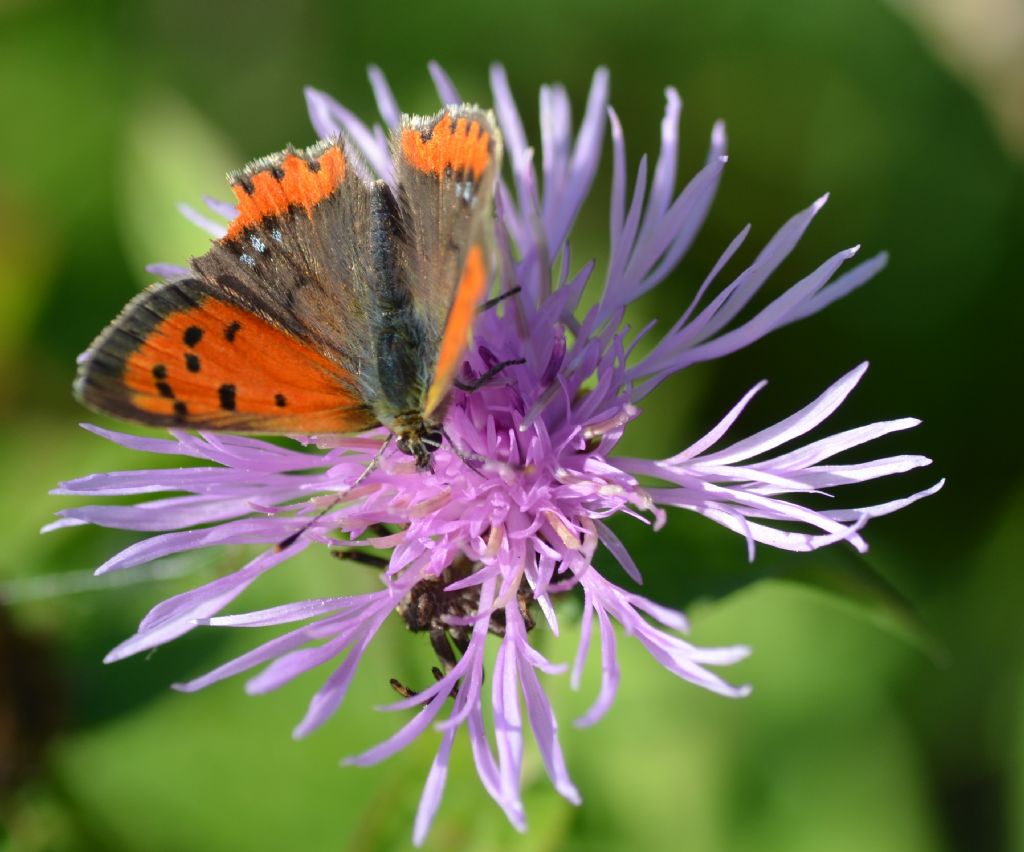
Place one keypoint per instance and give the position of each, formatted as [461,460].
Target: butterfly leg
[474,461]
[406,692]
[380,530]
[352,555]
[439,640]
[355,554]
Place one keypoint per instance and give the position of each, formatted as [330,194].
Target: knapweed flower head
[480,551]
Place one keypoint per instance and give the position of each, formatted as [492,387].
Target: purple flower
[480,553]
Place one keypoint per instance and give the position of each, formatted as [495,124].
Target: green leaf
[843,572]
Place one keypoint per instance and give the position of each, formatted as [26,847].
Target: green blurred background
[886,717]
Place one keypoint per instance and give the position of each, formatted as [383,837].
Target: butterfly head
[420,440]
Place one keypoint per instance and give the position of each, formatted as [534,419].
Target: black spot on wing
[231,331]
[191,362]
[227,397]
[193,334]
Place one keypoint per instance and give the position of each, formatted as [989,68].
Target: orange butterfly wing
[181,355]
[239,347]
[469,293]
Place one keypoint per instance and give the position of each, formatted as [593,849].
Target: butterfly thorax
[401,360]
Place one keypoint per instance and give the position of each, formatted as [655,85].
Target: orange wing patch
[217,366]
[463,144]
[468,295]
[283,181]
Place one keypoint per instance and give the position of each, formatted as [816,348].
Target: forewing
[270,334]
[447,166]
[301,251]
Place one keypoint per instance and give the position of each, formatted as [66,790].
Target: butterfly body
[332,304]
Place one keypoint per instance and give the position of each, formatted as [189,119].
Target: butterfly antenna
[501,297]
[370,468]
[482,380]
[474,461]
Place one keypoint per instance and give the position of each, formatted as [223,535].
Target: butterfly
[333,304]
